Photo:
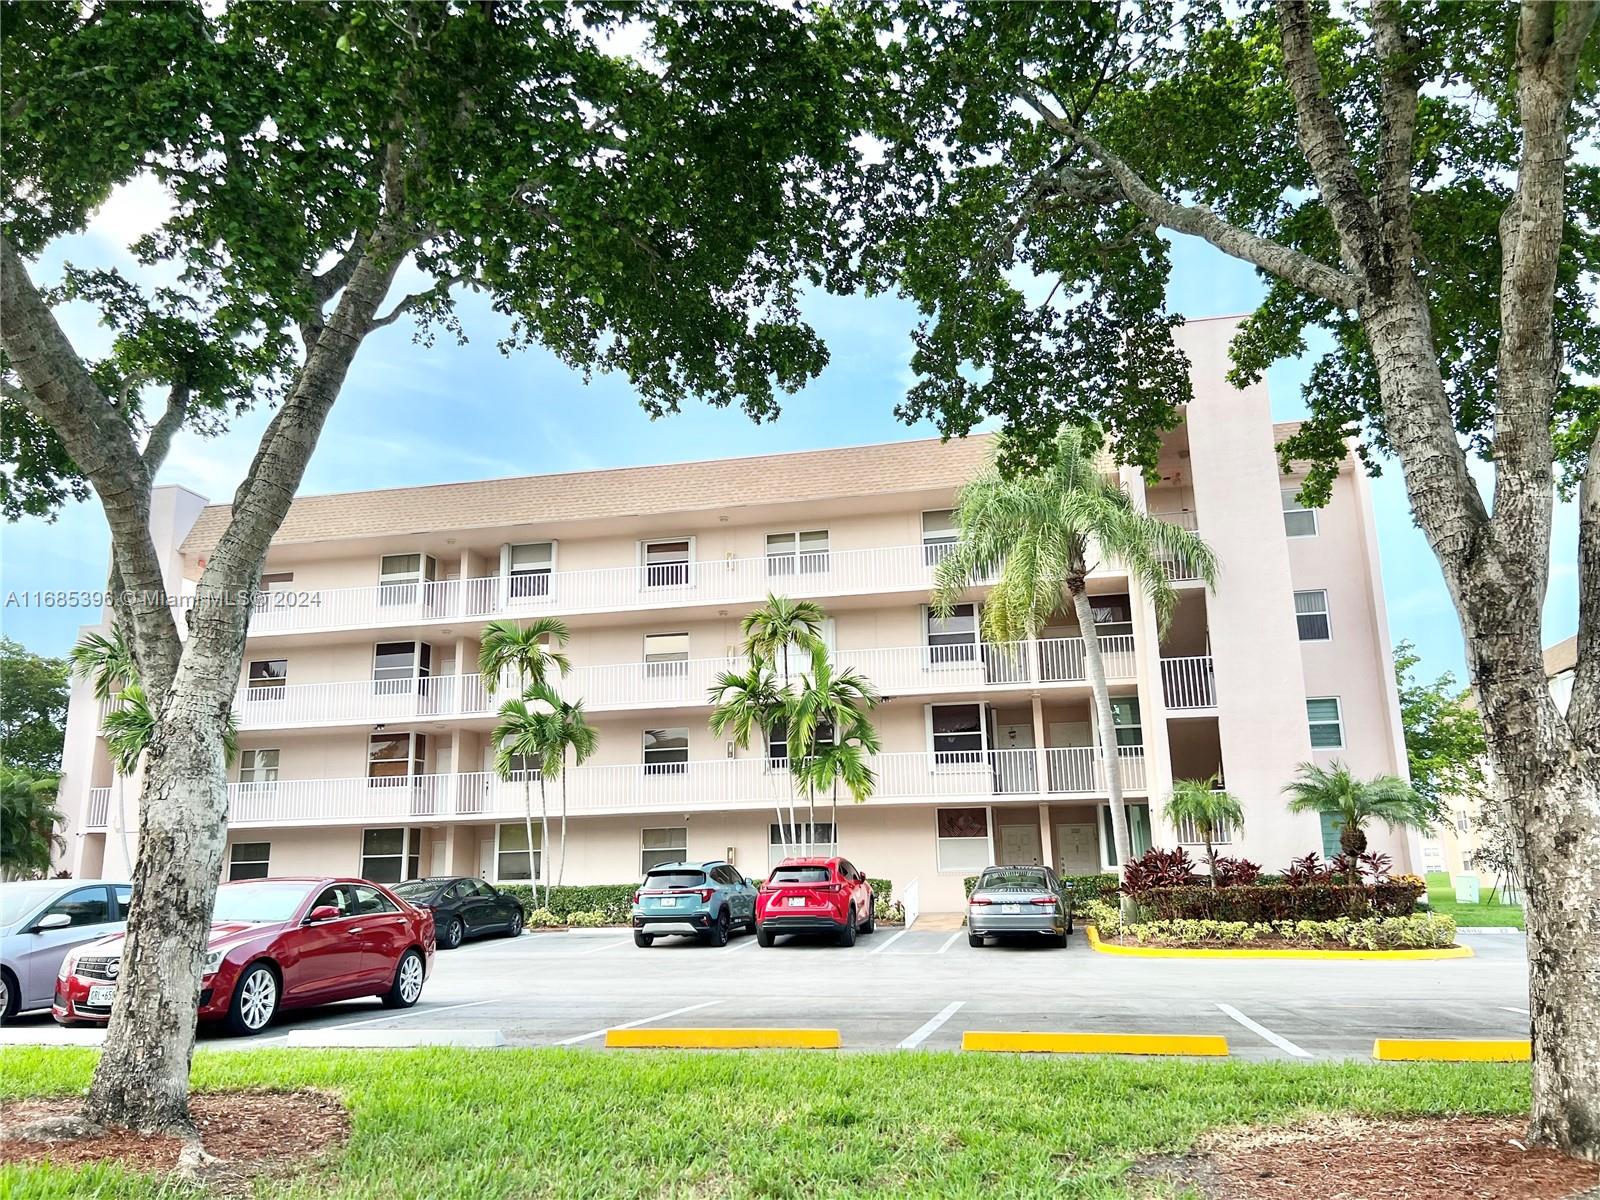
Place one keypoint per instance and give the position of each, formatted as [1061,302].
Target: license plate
[101,994]
[1011,910]
[669,902]
[796,901]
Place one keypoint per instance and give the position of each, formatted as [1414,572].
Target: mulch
[1358,1158]
[250,1133]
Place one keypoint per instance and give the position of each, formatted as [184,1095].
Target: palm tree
[567,729]
[769,634]
[1046,530]
[28,820]
[824,699]
[745,703]
[524,736]
[107,663]
[844,761]
[1208,808]
[1351,802]
[529,652]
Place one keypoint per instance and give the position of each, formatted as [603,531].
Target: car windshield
[800,875]
[1013,879]
[415,889]
[674,879]
[19,899]
[259,901]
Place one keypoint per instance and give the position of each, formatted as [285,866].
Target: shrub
[543,918]
[1419,931]
[615,900]
[1235,872]
[1278,902]
[890,912]
[882,889]
[1158,868]
[1309,869]
[588,920]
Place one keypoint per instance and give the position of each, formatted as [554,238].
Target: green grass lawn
[1470,916]
[512,1123]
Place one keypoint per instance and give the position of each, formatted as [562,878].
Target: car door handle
[356,929]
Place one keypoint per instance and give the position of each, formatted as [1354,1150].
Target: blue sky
[410,415]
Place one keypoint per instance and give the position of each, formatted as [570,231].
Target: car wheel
[847,935]
[718,935]
[10,998]
[255,1001]
[515,928]
[872,920]
[406,989]
[1059,941]
[974,939]
[764,937]
[1069,922]
[452,934]
[641,938]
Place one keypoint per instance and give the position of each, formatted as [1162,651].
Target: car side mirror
[55,920]
[322,912]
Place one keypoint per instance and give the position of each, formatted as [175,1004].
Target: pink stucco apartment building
[365,741]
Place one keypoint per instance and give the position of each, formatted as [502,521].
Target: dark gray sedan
[1019,900]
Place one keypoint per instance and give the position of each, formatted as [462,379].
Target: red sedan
[815,895]
[276,944]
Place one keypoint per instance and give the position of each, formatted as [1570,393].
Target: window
[660,846]
[512,861]
[1331,827]
[86,906]
[778,740]
[528,569]
[1125,718]
[392,758]
[123,893]
[666,563]
[962,836]
[276,580]
[267,679]
[957,733]
[368,900]
[1311,614]
[666,751]
[820,837]
[525,768]
[400,577]
[1138,833]
[938,535]
[666,655]
[1113,615]
[953,639]
[397,665]
[805,552]
[1462,824]
[258,766]
[1298,520]
[1327,728]
[390,855]
[248,860]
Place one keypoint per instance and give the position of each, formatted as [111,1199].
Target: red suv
[815,895]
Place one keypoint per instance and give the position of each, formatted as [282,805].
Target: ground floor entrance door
[1077,849]
[1020,846]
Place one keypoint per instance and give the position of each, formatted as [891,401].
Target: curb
[1192,1045]
[723,1039]
[1446,1050]
[1100,947]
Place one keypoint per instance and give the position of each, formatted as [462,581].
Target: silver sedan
[1019,900]
[40,921]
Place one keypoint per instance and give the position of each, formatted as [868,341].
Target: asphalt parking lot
[921,989]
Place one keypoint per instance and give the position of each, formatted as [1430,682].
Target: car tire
[515,928]
[1059,941]
[1069,922]
[872,920]
[847,935]
[10,997]
[409,975]
[255,1001]
[453,933]
[717,935]
[765,937]
[975,939]
[643,940]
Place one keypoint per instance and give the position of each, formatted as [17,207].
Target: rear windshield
[674,879]
[1014,879]
[415,889]
[800,875]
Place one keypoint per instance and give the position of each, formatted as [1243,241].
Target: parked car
[1022,900]
[704,900]
[277,944]
[463,907]
[41,922]
[815,895]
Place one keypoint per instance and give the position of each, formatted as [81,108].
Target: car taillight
[979,900]
[705,895]
[636,897]
[829,887]
[1050,900]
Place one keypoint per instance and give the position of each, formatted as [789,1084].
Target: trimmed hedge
[613,901]
[1084,887]
[1253,903]
[1417,931]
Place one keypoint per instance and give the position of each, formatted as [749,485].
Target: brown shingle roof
[621,491]
[1563,656]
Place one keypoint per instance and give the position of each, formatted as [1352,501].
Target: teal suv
[705,900]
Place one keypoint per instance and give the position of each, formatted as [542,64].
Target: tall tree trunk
[1095,667]
[544,839]
[527,824]
[561,863]
[122,823]
[833,816]
[1211,857]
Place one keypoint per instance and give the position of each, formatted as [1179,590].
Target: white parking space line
[414,1012]
[890,942]
[950,941]
[1509,1008]
[605,946]
[743,943]
[1281,1042]
[927,1027]
[584,1037]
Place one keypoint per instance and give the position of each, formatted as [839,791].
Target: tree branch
[1397,130]
[1583,712]
[326,286]
[164,430]
[415,300]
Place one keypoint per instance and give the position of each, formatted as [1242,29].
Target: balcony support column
[1047,851]
[1041,754]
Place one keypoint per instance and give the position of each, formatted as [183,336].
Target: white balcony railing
[690,786]
[898,671]
[674,585]
[98,811]
[1189,682]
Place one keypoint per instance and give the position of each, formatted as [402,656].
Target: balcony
[1189,683]
[1072,771]
[608,589]
[98,810]
[906,670]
